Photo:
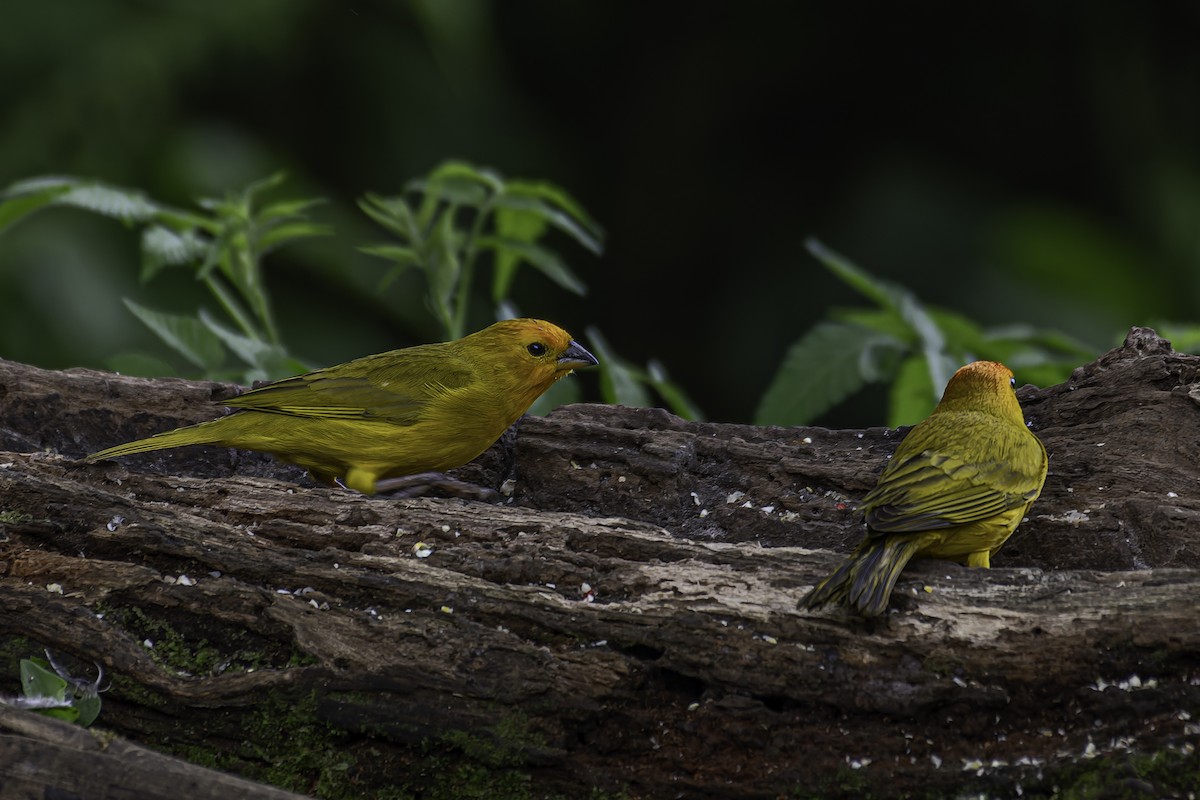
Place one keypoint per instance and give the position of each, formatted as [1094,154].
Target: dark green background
[1015,162]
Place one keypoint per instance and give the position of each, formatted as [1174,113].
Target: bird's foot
[438,482]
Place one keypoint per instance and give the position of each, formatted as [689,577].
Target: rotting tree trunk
[627,622]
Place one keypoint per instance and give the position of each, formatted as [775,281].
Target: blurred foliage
[223,246]
[902,343]
[504,218]
[1055,184]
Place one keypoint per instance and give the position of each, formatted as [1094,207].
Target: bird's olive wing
[925,487]
[393,387]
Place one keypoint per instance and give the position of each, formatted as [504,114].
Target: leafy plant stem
[232,307]
[470,251]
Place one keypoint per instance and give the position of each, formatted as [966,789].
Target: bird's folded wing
[931,490]
[369,388]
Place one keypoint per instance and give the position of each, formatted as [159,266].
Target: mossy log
[625,624]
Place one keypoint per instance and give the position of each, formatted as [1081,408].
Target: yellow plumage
[956,488]
[425,408]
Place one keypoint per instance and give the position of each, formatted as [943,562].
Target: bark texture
[626,623]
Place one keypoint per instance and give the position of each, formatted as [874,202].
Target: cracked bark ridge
[628,621]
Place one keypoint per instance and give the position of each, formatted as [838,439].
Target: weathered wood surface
[627,622]
[46,758]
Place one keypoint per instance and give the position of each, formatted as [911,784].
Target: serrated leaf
[184,335]
[819,371]
[911,397]
[123,204]
[542,259]
[619,382]
[163,247]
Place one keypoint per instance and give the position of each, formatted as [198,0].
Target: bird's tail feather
[865,580]
[195,434]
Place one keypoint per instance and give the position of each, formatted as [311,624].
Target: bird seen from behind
[956,488]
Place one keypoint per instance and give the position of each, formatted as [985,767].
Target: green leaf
[239,264]
[287,209]
[826,365]
[881,320]
[1064,345]
[555,196]
[912,396]
[38,185]
[87,708]
[619,382]
[442,268]
[456,183]
[279,235]
[262,185]
[38,681]
[126,205]
[520,226]
[254,352]
[403,256]
[462,171]
[163,247]
[592,239]
[394,214]
[897,298]
[542,259]
[853,276]
[184,335]
[17,205]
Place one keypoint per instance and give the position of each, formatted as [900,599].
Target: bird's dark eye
[1012,382]
[536,349]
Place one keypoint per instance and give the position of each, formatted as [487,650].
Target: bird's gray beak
[576,356]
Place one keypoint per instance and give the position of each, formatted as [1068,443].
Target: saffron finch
[956,488]
[418,409]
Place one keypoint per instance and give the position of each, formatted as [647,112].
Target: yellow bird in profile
[956,488]
[427,408]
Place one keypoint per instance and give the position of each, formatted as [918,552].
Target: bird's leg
[425,482]
[983,558]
